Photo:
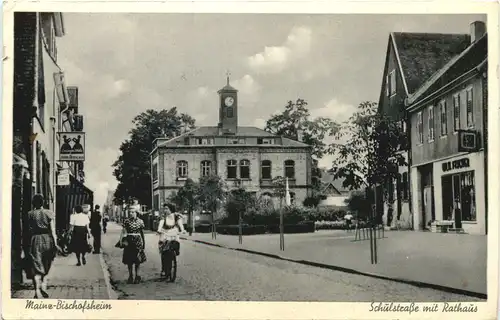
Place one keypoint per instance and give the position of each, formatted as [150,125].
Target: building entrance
[459,203]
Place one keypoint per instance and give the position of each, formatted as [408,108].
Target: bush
[303,227]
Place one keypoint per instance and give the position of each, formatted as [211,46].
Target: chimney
[477,30]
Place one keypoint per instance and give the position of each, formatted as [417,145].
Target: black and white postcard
[250,160]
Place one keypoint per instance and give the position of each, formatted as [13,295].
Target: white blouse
[79,220]
[173,232]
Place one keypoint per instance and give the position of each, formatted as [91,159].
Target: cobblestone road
[217,274]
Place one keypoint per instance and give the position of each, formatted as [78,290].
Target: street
[217,274]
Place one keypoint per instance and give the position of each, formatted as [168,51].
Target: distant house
[335,194]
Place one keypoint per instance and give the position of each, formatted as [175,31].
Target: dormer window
[204,141]
[236,141]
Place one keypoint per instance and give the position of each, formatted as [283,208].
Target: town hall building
[246,157]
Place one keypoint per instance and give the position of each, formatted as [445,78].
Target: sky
[127,63]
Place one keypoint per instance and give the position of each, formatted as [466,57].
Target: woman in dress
[133,252]
[168,230]
[43,245]
[80,233]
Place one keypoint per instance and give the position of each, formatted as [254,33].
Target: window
[155,172]
[206,167]
[186,141]
[470,109]
[444,123]
[236,141]
[231,169]
[292,197]
[290,169]
[456,112]
[420,128]
[405,187]
[204,141]
[402,125]
[156,202]
[391,83]
[266,141]
[265,168]
[430,123]
[245,169]
[459,196]
[229,112]
[182,169]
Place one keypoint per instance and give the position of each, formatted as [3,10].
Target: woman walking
[168,230]
[133,252]
[43,245]
[80,232]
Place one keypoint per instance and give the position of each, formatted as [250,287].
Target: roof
[228,88]
[212,131]
[327,179]
[472,57]
[422,54]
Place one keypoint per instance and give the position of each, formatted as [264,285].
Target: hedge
[303,227]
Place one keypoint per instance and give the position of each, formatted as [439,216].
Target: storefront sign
[457,164]
[63,178]
[72,146]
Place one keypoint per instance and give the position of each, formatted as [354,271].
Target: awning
[68,197]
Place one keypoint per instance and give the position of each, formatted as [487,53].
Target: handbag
[89,247]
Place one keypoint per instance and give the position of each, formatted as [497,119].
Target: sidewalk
[67,281]
[450,262]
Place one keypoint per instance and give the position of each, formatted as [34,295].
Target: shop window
[459,196]
[231,169]
[182,169]
[470,109]
[290,169]
[420,128]
[430,123]
[206,167]
[266,169]
[245,169]
[444,119]
[456,112]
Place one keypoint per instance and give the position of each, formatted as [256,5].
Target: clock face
[229,101]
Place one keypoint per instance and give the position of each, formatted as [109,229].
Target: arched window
[290,169]
[206,168]
[265,169]
[245,169]
[182,169]
[229,112]
[232,167]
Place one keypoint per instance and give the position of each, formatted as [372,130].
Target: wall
[447,145]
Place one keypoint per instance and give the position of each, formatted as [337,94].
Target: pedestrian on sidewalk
[168,230]
[133,237]
[80,233]
[105,221]
[43,245]
[95,227]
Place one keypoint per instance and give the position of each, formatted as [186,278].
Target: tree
[211,192]
[237,204]
[368,149]
[296,117]
[132,168]
[358,202]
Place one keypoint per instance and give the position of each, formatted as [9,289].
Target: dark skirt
[133,253]
[79,242]
[42,253]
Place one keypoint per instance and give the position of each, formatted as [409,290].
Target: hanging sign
[63,178]
[71,146]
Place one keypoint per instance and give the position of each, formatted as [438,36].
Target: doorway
[427,197]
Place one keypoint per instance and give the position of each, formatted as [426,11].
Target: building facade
[41,110]
[411,58]
[448,132]
[246,157]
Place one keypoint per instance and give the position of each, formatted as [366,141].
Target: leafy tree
[296,117]
[367,149]
[211,192]
[311,202]
[132,168]
[238,202]
[358,203]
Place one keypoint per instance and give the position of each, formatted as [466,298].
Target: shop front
[452,194]
[68,197]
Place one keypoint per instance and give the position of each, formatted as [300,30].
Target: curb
[112,295]
[353,271]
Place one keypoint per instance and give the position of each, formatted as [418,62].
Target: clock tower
[228,109]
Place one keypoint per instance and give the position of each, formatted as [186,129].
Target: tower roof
[227,87]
